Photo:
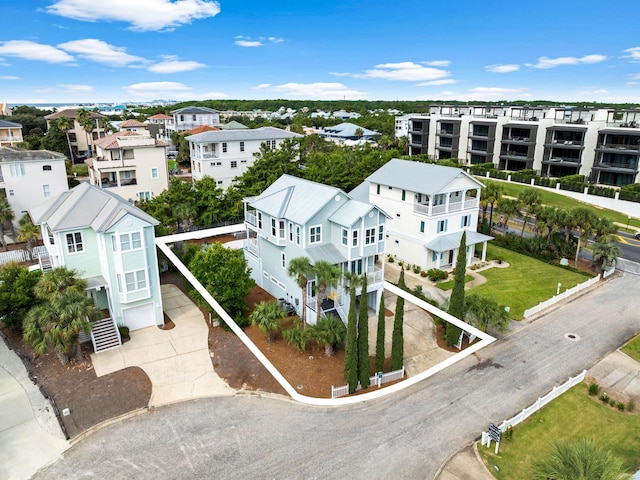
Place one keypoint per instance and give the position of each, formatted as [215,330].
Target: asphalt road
[408,435]
[629,246]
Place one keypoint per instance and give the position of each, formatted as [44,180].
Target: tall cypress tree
[380,337]
[351,343]
[456,303]
[364,369]
[397,338]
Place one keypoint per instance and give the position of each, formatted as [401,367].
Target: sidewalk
[30,434]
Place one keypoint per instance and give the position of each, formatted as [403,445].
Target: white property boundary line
[486,339]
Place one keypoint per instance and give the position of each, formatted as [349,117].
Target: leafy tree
[583,460]
[29,117]
[209,201]
[267,316]
[16,293]
[225,275]
[397,337]
[484,313]
[351,342]
[380,337]
[6,215]
[300,268]
[364,369]
[55,140]
[327,276]
[28,232]
[529,200]
[606,253]
[456,301]
[330,331]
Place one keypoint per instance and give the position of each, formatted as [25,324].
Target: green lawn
[567,203]
[448,285]
[633,348]
[525,283]
[569,417]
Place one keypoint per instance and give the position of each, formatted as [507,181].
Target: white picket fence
[558,298]
[606,273]
[373,380]
[21,255]
[537,405]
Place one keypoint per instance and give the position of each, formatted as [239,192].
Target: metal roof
[451,241]
[326,252]
[7,124]
[194,110]
[262,133]
[86,206]
[418,177]
[350,212]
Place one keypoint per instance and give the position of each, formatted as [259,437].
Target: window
[354,238]
[17,169]
[404,195]
[260,220]
[281,229]
[46,168]
[135,281]
[380,233]
[234,164]
[126,174]
[291,232]
[378,189]
[465,221]
[315,234]
[273,227]
[345,237]
[243,161]
[193,118]
[154,172]
[283,260]
[297,235]
[130,241]
[273,144]
[356,267]
[182,118]
[46,191]
[421,227]
[242,146]
[144,195]
[224,147]
[442,226]
[74,242]
[216,164]
[370,236]
[10,193]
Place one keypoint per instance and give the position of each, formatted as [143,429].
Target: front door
[450,257]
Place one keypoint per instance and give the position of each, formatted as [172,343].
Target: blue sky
[66,51]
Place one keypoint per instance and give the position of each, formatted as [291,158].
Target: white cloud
[438,63]
[76,88]
[248,43]
[632,83]
[545,62]
[100,52]
[598,91]
[507,68]
[313,91]
[261,86]
[143,15]
[243,41]
[156,89]
[634,53]
[634,76]
[9,77]
[483,93]
[34,51]
[402,71]
[444,81]
[172,64]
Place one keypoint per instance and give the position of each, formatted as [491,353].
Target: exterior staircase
[104,335]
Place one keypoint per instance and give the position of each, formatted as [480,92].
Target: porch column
[430,203]
[437,260]
[484,251]
[446,202]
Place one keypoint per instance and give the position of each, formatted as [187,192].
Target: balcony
[573,161]
[440,209]
[619,146]
[616,167]
[374,275]
[251,246]
[205,155]
[250,218]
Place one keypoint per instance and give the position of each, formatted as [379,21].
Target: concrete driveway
[177,361]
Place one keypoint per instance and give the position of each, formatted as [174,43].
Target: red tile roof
[160,116]
[201,129]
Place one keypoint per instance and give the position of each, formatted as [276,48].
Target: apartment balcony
[556,160]
[475,151]
[565,143]
[622,124]
[446,133]
[205,155]
[618,147]
[518,140]
[617,167]
[422,209]
[481,136]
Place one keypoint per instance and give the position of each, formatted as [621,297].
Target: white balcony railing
[250,218]
[251,245]
[374,275]
[439,209]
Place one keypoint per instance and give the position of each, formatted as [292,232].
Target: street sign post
[495,433]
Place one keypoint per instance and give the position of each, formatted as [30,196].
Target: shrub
[620,406]
[400,263]
[423,273]
[416,269]
[436,274]
[604,398]
[124,331]
[631,406]
[594,389]
[612,402]
[297,337]
[391,260]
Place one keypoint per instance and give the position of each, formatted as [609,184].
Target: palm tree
[493,194]
[329,331]
[267,316]
[57,281]
[184,213]
[28,232]
[529,199]
[327,276]
[584,221]
[508,207]
[6,215]
[83,117]
[65,124]
[57,324]
[583,460]
[301,268]
[606,252]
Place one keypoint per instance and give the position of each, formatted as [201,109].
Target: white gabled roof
[350,212]
[239,135]
[86,206]
[418,177]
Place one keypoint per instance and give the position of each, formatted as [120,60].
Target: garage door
[139,317]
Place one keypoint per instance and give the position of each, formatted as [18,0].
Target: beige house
[5,111]
[81,139]
[130,164]
[10,133]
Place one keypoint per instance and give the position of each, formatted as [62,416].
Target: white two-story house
[298,218]
[111,244]
[226,154]
[430,206]
[187,118]
[132,165]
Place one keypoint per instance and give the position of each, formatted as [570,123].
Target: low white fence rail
[373,380]
[537,405]
[606,273]
[21,255]
[564,295]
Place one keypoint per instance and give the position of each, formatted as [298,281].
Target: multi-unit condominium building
[110,243]
[30,177]
[226,154]
[10,133]
[81,140]
[298,218]
[161,126]
[130,164]
[430,206]
[602,144]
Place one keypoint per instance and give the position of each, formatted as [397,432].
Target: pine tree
[397,338]
[351,343]
[364,369]
[380,337]
[456,303]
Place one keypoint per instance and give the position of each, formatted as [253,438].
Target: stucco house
[10,133]
[111,244]
[81,140]
[430,206]
[298,218]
